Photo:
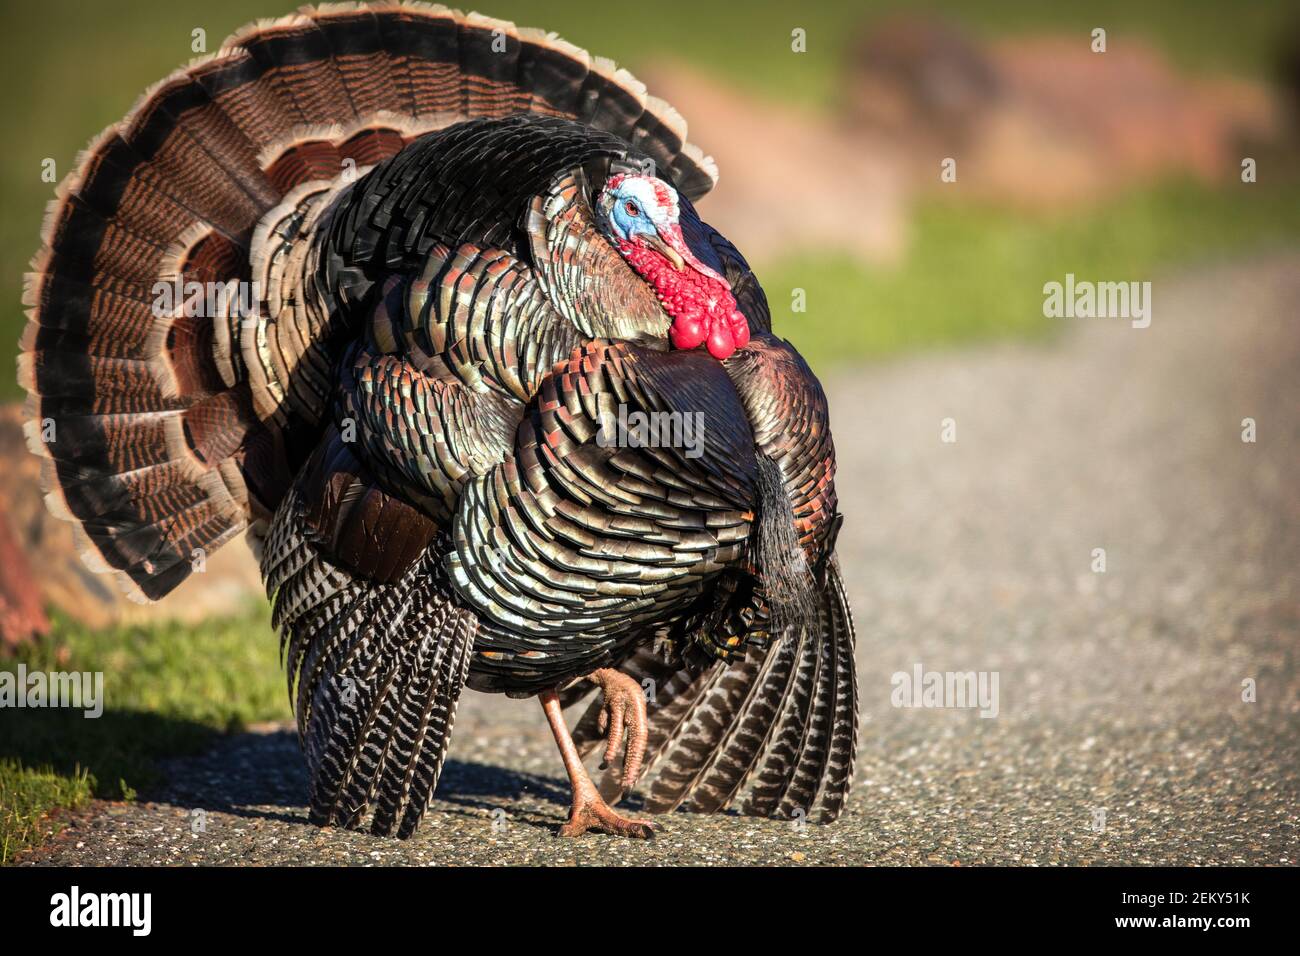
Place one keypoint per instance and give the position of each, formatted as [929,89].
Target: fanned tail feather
[772,734]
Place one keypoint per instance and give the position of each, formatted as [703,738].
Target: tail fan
[167,427]
[774,734]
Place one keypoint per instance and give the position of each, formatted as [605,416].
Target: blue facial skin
[626,225]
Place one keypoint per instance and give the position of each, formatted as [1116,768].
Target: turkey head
[641,215]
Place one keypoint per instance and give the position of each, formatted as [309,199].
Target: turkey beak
[668,252]
[670,241]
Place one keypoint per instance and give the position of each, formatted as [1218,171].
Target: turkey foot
[623,711]
[590,811]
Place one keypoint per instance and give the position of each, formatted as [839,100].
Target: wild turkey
[475,266]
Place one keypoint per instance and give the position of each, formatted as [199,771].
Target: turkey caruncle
[472,248]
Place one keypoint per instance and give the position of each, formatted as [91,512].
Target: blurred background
[1122,165]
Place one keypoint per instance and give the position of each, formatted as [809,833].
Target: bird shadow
[263,776]
[255,775]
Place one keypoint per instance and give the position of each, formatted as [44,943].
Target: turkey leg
[590,811]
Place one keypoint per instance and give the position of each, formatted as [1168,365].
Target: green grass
[976,273]
[168,690]
[26,798]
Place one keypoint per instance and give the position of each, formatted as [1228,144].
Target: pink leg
[589,812]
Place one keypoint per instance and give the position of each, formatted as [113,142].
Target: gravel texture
[1118,691]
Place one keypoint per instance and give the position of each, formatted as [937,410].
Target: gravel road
[1121,735]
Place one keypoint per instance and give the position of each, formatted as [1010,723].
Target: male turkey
[475,266]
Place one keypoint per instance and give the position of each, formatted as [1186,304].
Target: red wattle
[739,330]
[721,342]
[687,333]
[700,302]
